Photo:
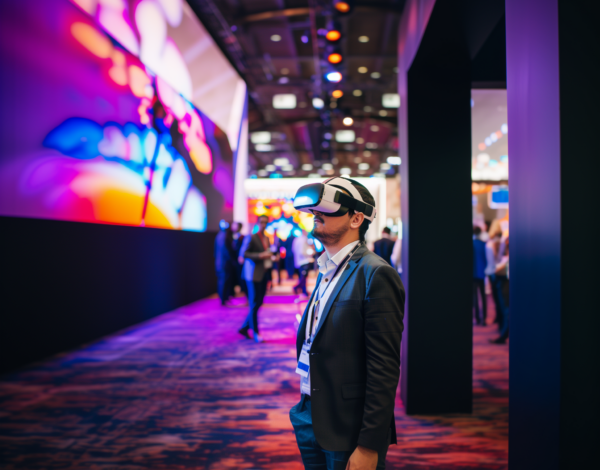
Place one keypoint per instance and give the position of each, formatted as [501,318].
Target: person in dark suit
[384,246]
[224,262]
[257,267]
[479,265]
[238,241]
[353,323]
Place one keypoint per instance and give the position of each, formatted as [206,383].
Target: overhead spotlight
[383,113]
[395,160]
[327,166]
[334,58]
[345,171]
[367,109]
[363,70]
[360,140]
[333,105]
[357,93]
[363,166]
[262,137]
[275,38]
[348,121]
[385,166]
[341,6]
[363,39]
[375,75]
[263,172]
[374,128]
[333,77]
[285,71]
[318,103]
[307,167]
[390,100]
[337,93]
[281,161]
[270,167]
[304,39]
[333,35]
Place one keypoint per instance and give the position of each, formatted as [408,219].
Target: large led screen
[103,116]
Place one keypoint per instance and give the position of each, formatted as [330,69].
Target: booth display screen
[94,126]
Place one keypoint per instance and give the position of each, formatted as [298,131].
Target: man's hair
[265,216]
[368,198]
[476,230]
[387,230]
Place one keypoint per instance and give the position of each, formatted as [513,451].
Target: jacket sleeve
[383,312]
[247,252]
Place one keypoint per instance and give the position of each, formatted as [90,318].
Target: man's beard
[330,237]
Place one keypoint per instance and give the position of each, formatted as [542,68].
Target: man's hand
[265,255]
[362,459]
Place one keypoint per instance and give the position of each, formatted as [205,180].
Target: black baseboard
[67,283]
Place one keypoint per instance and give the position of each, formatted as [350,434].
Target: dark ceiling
[272,45]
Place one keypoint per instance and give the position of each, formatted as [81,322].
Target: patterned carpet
[186,391]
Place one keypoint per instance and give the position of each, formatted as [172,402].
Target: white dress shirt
[327,267]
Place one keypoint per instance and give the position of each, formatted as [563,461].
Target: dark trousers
[224,284]
[495,283]
[480,315]
[313,455]
[256,296]
[304,269]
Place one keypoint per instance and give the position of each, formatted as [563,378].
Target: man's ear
[357,220]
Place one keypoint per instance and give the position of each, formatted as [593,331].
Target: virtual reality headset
[328,197]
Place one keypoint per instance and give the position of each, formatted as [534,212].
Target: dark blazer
[383,248]
[355,356]
[254,267]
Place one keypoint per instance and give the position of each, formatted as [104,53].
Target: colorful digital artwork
[284,220]
[98,126]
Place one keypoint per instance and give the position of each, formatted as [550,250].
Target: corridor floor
[186,391]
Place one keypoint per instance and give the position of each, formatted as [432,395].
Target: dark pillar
[553,71]
[437,345]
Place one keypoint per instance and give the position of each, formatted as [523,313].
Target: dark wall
[67,283]
[553,71]
[437,348]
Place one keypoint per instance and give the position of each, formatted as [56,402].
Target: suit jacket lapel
[302,328]
[336,290]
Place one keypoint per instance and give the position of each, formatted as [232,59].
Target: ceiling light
[375,75]
[348,121]
[283,80]
[307,167]
[334,160]
[333,35]
[363,70]
[334,77]
[357,92]
[334,58]
[390,100]
[318,103]
[357,160]
[285,71]
[385,166]
[383,113]
[264,147]
[363,166]
[270,167]
[378,175]
[360,140]
[504,128]
[262,172]
[342,7]
[371,145]
[275,38]
[374,128]
[345,136]
[337,93]
[260,137]
[284,101]
[368,109]
[287,167]
[314,175]
[304,39]
[367,153]
[393,160]
[363,39]
[282,161]
[327,136]
[327,166]
[333,104]
[345,171]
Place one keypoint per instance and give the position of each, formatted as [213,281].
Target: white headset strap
[343,182]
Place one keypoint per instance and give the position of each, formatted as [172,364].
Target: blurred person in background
[303,260]
[479,265]
[238,241]
[258,262]
[502,271]
[384,246]
[225,262]
[492,248]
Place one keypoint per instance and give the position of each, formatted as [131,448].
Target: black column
[436,179]
[553,68]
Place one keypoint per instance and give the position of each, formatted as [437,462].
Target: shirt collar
[326,264]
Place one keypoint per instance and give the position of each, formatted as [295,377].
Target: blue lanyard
[319,297]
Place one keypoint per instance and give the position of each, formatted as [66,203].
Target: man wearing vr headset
[348,343]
